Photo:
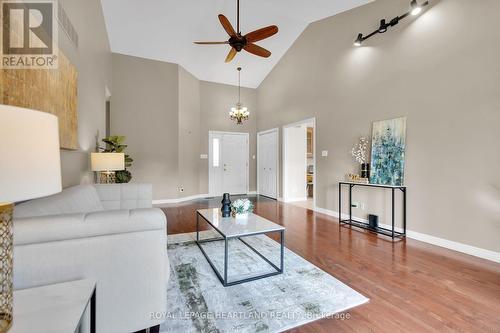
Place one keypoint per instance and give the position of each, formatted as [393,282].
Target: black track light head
[359,40]
[415,8]
[394,21]
[383,26]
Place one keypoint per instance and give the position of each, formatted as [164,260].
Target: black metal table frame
[223,279]
[380,230]
[93,312]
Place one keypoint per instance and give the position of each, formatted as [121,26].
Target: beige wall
[189,133]
[216,101]
[144,108]
[441,71]
[166,114]
[92,59]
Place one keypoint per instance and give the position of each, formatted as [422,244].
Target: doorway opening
[228,163]
[107,110]
[108,118]
[299,163]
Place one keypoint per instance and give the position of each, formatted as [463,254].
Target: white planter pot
[241,216]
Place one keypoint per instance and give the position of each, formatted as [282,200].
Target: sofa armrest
[125,196]
[44,229]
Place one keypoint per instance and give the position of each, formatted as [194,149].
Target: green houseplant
[115,144]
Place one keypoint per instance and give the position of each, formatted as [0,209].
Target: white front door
[267,161]
[228,158]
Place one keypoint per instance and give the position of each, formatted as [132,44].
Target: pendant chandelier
[239,113]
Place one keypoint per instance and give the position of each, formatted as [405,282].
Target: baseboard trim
[179,200]
[188,198]
[426,238]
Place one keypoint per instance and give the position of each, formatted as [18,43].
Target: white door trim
[210,134]
[283,178]
[276,131]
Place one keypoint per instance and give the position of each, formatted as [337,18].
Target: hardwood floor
[412,286]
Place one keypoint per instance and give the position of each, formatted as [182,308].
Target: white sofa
[109,233]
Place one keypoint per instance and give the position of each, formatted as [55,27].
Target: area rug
[197,301]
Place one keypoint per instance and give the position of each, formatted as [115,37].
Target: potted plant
[241,208]
[115,144]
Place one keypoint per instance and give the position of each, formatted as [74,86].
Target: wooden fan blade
[227,25]
[261,34]
[257,50]
[210,43]
[231,55]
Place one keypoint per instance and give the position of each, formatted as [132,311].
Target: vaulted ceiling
[165,30]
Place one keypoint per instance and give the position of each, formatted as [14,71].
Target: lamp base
[6,266]
[107,177]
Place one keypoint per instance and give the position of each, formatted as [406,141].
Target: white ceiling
[165,30]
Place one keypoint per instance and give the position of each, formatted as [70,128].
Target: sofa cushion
[76,199]
[125,196]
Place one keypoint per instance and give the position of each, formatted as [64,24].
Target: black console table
[384,231]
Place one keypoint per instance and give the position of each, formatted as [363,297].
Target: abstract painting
[388,152]
[48,90]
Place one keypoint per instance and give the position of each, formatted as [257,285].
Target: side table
[56,308]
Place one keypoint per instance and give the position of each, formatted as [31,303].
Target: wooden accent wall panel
[53,91]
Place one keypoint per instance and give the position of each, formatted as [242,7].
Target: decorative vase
[226,205]
[365,170]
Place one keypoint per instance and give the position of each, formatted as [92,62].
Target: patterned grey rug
[197,301]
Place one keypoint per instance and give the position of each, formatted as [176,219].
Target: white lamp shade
[107,161]
[30,162]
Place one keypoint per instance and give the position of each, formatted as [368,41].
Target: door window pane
[216,153]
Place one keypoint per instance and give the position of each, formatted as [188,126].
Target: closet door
[267,163]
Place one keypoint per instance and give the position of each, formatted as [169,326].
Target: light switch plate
[204,156]
[324,153]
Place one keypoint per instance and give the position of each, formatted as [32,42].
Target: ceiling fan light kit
[239,113]
[415,9]
[239,42]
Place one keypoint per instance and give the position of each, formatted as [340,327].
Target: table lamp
[30,168]
[107,164]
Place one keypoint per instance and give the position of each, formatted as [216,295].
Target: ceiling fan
[239,42]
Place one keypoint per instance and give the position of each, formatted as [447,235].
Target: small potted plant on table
[241,208]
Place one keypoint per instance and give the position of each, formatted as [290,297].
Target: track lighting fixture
[359,40]
[415,9]
[383,26]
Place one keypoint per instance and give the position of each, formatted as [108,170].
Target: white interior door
[267,161]
[228,158]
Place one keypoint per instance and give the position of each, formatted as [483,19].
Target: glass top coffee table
[238,228]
